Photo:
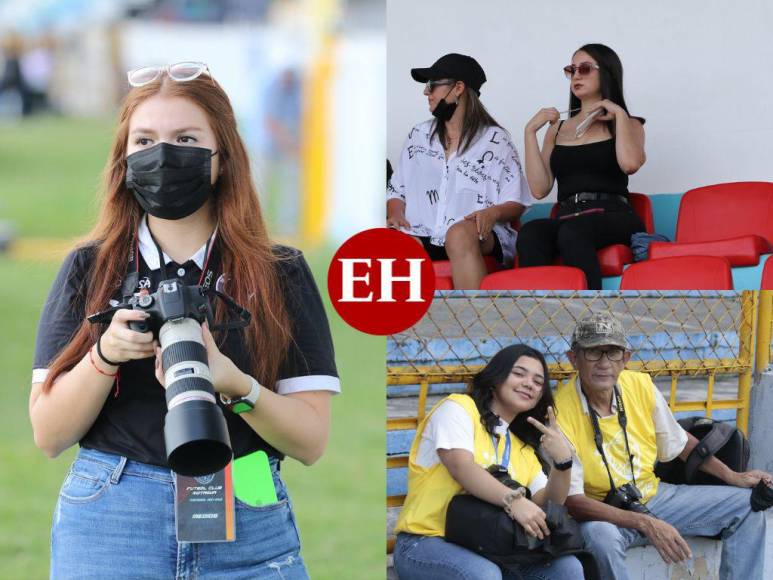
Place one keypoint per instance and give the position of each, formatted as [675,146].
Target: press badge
[204,507]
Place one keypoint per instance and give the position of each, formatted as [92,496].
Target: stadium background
[51,158]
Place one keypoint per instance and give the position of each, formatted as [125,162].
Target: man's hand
[671,546]
[749,478]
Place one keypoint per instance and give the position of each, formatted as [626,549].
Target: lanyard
[599,438]
[207,272]
[505,455]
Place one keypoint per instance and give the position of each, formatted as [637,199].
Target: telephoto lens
[195,431]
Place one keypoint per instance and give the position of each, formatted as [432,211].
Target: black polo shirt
[131,422]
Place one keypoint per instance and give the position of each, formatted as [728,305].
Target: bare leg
[466,253]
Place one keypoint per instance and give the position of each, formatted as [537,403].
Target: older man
[619,425]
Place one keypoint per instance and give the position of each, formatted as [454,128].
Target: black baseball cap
[455,66]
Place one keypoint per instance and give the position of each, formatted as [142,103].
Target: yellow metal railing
[715,319]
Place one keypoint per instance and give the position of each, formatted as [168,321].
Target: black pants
[576,240]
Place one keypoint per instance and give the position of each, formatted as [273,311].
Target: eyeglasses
[595,354]
[180,72]
[583,68]
[430,86]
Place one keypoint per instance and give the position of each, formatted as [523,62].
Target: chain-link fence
[699,348]
[708,337]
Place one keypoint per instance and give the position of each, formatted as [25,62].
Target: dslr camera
[195,430]
[626,497]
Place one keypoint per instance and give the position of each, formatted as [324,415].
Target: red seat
[767,275]
[444,283]
[536,278]
[613,258]
[442,268]
[679,273]
[729,220]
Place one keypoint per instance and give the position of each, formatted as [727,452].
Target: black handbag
[487,530]
[725,442]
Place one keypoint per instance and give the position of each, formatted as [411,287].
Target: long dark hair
[610,77]
[483,384]
[476,117]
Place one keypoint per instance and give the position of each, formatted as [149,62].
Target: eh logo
[381,281]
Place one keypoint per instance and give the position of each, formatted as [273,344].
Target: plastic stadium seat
[536,278]
[444,282]
[729,220]
[767,275]
[613,258]
[443,267]
[679,273]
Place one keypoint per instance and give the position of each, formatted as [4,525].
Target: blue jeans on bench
[694,510]
[431,558]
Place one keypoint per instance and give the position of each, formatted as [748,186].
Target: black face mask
[170,181]
[444,110]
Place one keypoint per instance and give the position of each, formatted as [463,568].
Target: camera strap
[599,438]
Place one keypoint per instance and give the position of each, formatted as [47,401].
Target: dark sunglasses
[430,86]
[583,68]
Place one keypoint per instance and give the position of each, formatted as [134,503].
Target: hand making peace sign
[553,441]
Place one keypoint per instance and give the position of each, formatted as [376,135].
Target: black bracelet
[105,360]
[563,466]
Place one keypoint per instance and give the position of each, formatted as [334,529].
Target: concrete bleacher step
[644,563]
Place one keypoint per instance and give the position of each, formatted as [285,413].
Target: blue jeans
[115,519]
[432,558]
[694,510]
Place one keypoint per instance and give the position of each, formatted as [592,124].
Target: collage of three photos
[203,380]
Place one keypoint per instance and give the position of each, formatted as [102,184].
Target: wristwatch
[564,465]
[245,403]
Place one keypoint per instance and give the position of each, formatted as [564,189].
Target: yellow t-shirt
[637,392]
[430,489]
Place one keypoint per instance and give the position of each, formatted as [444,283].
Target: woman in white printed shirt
[458,184]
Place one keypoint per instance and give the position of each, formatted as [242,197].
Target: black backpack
[725,442]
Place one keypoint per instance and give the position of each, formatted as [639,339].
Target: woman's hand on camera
[120,343]
[226,376]
[530,516]
[549,115]
[552,440]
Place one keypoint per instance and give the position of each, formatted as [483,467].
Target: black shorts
[439,252]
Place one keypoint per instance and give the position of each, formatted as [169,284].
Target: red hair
[246,250]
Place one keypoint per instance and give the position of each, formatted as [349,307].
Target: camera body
[195,431]
[173,300]
[626,497]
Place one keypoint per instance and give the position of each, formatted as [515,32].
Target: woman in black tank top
[590,155]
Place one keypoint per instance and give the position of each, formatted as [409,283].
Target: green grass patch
[51,171]
[52,168]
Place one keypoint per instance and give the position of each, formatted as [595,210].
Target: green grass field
[50,171]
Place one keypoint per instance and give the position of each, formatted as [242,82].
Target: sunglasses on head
[583,68]
[180,72]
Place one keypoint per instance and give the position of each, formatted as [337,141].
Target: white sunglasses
[180,72]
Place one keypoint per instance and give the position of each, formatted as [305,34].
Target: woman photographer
[590,155]
[458,184]
[457,445]
[178,200]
